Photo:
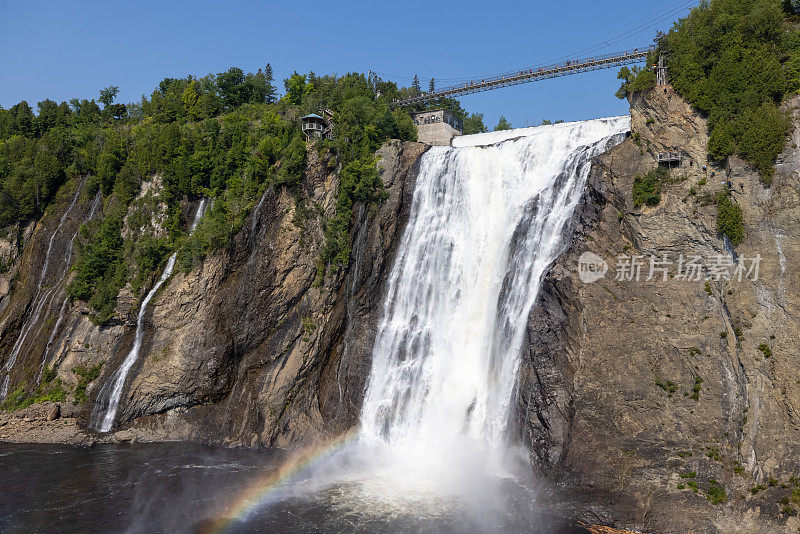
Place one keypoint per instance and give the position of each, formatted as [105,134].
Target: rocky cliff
[249,348]
[667,404]
[671,404]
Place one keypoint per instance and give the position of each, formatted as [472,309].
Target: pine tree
[502,124]
[416,85]
[432,86]
[271,92]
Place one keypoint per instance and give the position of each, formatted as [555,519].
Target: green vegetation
[714,454]
[50,390]
[474,124]
[85,377]
[786,509]
[735,61]
[716,493]
[647,188]
[696,389]
[636,80]
[730,221]
[669,386]
[225,136]
[765,350]
[690,474]
[502,124]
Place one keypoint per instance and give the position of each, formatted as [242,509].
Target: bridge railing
[533,74]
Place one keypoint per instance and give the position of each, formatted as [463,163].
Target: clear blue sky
[59,49]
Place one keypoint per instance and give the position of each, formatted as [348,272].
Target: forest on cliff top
[226,136]
[229,136]
[735,61]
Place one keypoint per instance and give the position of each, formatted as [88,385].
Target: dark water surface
[179,487]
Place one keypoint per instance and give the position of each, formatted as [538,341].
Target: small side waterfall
[70,249]
[107,403]
[486,223]
[40,297]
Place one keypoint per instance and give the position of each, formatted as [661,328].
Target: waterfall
[40,298]
[486,223]
[103,419]
[70,248]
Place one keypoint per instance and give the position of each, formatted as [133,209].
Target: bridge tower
[661,72]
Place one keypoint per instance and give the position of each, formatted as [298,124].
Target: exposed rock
[252,349]
[123,436]
[247,348]
[592,410]
[54,412]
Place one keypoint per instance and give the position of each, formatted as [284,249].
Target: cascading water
[40,297]
[486,223]
[433,452]
[108,398]
[70,248]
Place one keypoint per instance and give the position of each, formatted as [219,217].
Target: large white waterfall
[104,415]
[488,218]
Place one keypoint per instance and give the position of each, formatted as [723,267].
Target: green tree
[232,88]
[108,95]
[730,221]
[502,124]
[295,88]
[190,100]
[474,124]
[432,86]
[415,85]
[735,61]
[634,81]
[271,91]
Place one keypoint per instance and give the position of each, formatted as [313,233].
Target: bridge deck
[532,75]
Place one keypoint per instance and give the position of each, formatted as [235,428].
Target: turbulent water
[107,403]
[433,452]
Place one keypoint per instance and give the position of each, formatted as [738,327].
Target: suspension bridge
[556,70]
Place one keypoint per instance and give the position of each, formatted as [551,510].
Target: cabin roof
[312,116]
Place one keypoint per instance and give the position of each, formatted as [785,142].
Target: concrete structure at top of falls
[107,402]
[486,222]
[437,127]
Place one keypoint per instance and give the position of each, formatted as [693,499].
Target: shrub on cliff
[635,80]
[734,61]
[730,221]
[647,188]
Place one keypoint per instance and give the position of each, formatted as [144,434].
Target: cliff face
[248,348]
[626,385]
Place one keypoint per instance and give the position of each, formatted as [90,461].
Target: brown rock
[54,412]
[589,401]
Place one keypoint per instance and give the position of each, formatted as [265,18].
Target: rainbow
[261,492]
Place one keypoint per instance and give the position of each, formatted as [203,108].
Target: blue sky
[59,49]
